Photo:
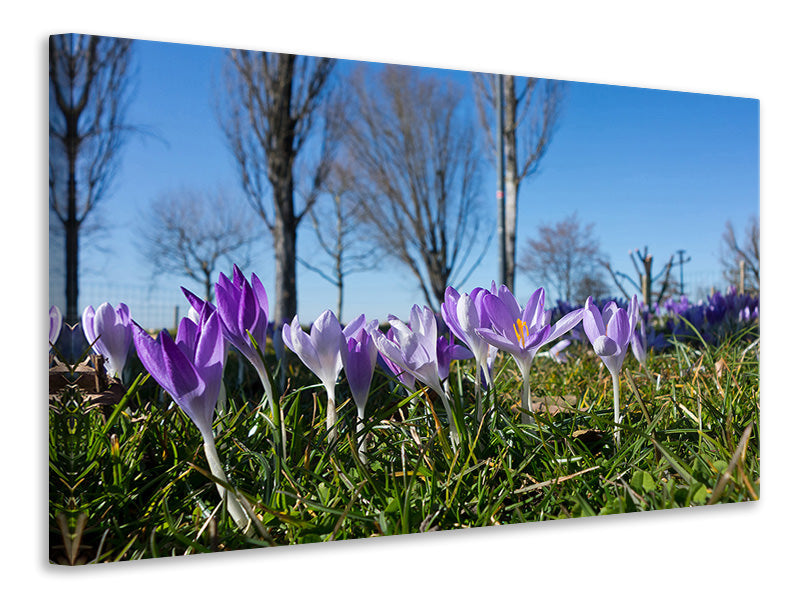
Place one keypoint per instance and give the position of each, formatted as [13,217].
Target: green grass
[132,483]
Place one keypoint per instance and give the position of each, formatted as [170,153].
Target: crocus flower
[446,352]
[190,370]
[464,314]
[639,344]
[108,331]
[521,332]
[56,320]
[359,355]
[320,351]
[556,351]
[610,333]
[244,311]
[414,349]
[199,312]
[405,378]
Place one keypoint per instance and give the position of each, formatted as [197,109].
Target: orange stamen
[521,329]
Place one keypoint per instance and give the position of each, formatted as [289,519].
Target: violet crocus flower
[639,344]
[556,351]
[108,331]
[464,314]
[446,352]
[320,351]
[244,311]
[610,332]
[359,355]
[414,349]
[199,312]
[56,320]
[403,377]
[190,370]
[521,332]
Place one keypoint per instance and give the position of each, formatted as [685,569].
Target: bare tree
[645,280]
[741,260]
[341,234]
[272,109]
[418,174]
[531,109]
[566,256]
[89,85]
[188,232]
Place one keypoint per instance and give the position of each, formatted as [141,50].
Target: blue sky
[648,167]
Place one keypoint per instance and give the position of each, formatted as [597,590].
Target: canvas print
[297,299]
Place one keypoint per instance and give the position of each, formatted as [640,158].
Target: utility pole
[501,185]
[682,262]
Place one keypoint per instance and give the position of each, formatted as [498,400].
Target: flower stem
[362,455]
[330,417]
[478,394]
[615,385]
[234,507]
[444,393]
[525,400]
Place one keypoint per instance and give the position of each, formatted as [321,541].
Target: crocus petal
[593,324]
[566,323]
[326,335]
[56,321]
[618,328]
[502,319]
[467,315]
[605,346]
[533,314]
[510,302]
[299,342]
[354,326]
[87,323]
[186,336]
[149,352]
[210,348]
[499,341]
[261,294]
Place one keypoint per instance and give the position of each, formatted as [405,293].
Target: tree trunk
[284,235]
[71,226]
[512,178]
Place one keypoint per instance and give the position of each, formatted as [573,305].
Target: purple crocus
[405,378]
[639,344]
[521,332]
[556,351]
[199,312]
[359,355]
[446,352]
[108,331]
[56,320]
[244,312]
[464,314]
[190,370]
[610,332]
[414,349]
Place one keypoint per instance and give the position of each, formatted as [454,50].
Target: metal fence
[152,307]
